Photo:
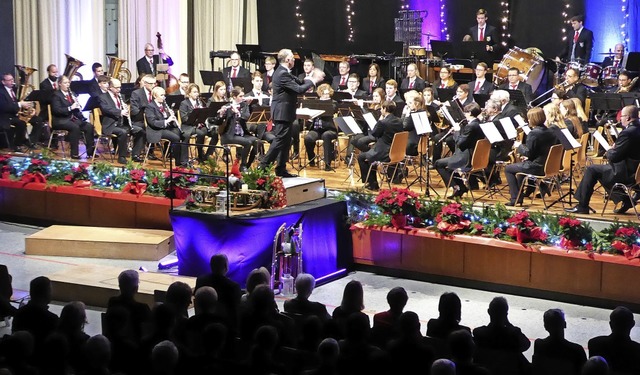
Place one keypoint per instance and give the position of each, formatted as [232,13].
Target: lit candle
[245,188]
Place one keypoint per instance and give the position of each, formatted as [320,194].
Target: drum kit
[594,76]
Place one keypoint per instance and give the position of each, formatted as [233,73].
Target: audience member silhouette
[140,313]
[56,356]
[311,333]
[164,358]
[300,304]
[622,353]
[124,348]
[205,304]
[262,352]
[73,317]
[462,348]
[385,322]
[443,366]
[555,346]
[163,318]
[355,349]
[448,320]
[328,355]
[18,349]
[98,356]
[6,291]
[216,357]
[595,365]
[261,310]
[410,352]
[179,298]
[257,276]
[352,302]
[229,291]
[35,316]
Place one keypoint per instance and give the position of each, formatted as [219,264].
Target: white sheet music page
[569,136]
[603,142]
[352,124]
[312,113]
[447,115]
[491,132]
[370,119]
[522,124]
[421,122]
[508,127]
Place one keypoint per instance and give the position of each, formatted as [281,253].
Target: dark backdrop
[7,56]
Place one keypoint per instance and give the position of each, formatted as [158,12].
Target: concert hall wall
[326,26]
[7,57]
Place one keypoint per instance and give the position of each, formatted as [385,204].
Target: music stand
[259,114]
[173,101]
[446,94]
[481,99]
[630,98]
[341,96]
[327,106]
[442,48]
[249,52]
[474,51]
[210,77]
[518,100]
[81,87]
[569,144]
[349,127]
[126,89]
[244,82]
[42,96]
[92,103]
[199,116]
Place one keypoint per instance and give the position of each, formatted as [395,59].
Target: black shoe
[312,163]
[372,187]
[286,174]
[152,157]
[122,160]
[626,205]
[328,168]
[76,157]
[510,204]
[577,210]
[137,159]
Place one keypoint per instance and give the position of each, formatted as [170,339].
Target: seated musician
[322,127]
[373,79]
[234,127]
[67,116]
[9,108]
[340,81]
[445,81]
[162,123]
[465,146]
[139,101]
[480,84]
[617,60]
[183,81]
[462,95]
[391,91]
[95,88]
[219,93]
[114,111]
[201,130]
[307,68]
[514,83]
[445,136]
[262,130]
[571,119]
[533,153]
[500,150]
[361,141]
[413,79]
[235,70]
[623,159]
[148,64]
[385,129]
[415,104]
[573,88]
[625,83]
[353,87]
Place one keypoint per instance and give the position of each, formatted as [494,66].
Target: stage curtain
[46,30]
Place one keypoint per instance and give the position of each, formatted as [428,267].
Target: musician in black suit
[67,116]
[201,130]
[269,69]
[148,64]
[262,99]
[514,83]
[623,159]
[445,81]
[94,84]
[113,113]
[139,101]
[15,128]
[235,70]
[391,90]
[322,127]
[353,87]
[102,86]
[372,80]
[340,81]
[535,151]
[283,109]
[579,43]
[51,82]
[465,146]
[388,125]
[574,89]
[481,85]
[412,81]
[163,124]
[617,60]
[234,127]
[415,104]
[484,32]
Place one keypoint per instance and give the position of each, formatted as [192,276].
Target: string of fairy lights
[504,22]
[444,30]
[623,25]
[566,22]
[300,33]
[349,10]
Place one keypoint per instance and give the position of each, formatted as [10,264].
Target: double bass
[171,83]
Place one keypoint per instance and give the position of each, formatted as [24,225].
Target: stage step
[98,242]
[303,189]
[95,284]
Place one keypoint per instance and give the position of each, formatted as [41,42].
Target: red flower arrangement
[523,229]
[575,234]
[136,186]
[36,172]
[625,242]
[177,183]
[398,203]
[451,219]
[79,176]
[5,168]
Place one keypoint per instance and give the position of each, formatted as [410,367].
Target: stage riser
[302,190]
[97,242]
[94,284]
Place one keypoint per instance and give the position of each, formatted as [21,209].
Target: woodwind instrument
[172,114]
[126,108]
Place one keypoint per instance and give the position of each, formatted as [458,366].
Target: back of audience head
[461,346]
[128,282]
[595,365]
[305,283]
[214,337]
[40,290]
[205,300]
[409,324]
[18,346]
[450,307]
[257,276]
[358,327]
[554,322]
[498,309]
[443,366]
[262,299]
[353,296]
[621,321]
[73,317]
[329,350]
[219,264]
[179,296]
[266,338]
[98,351]
[164,357]
[397,299]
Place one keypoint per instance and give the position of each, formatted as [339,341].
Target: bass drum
[531,67]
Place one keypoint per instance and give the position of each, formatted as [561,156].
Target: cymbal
[605,53]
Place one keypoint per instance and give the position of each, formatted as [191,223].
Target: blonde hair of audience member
[219,92]
[552,113]
[536,117]
[580,110]
[569,108]
[322,89]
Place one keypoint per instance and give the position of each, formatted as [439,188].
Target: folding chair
[397,154]
[624,190]
[479,162]
[551,175]
[95,118]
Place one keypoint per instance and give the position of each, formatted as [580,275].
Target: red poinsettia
[574,233]
[398,201]
[451,219]
[626,242]
[523,229]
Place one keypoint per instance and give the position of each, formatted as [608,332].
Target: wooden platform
[303,189]
[94,284]
[98,242]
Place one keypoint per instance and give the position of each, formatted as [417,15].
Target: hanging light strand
[444,30]
[504,21]
[350,14]
[300,32]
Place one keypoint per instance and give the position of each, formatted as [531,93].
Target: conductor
[283,109]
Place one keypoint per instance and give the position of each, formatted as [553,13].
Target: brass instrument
[24,89]
[71,69]
[116,70]
[628,88]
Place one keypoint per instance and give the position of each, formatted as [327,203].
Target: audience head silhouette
[179,296]
[73,317]
[40,290]
[219,264]
[554,322]
[461,346]
[498,310]
[128,282]
[397,299]
[595,365]
[409,324]
[98,352]
[621,321]
[164,357]
[205,300]
[450,307]
[353,297]
[305,283]
[443,366]
[257,276]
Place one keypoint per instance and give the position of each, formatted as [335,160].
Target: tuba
[24,89]
[71,69]
[116,70]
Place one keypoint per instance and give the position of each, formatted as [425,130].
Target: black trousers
[592,175]
[279,150]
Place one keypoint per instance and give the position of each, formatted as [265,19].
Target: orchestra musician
[514,83]
[571,120]
[534,153]
[183,81]
[464,148]
[103,86]
[219,93]
[445,81]
[307,71]
[235,70]
[384,130]
[162,123]
[201,130]
[51,82]
[484,32]
[625,83]
[262,130]
[480,84]
[234,127]
[361,141]
[623,160]
[269,66]
[617,60]
[500,150]
[462,95]
[415,103]
[413,81]
[322,127]
[373,79]
[391,91]
[140,99]
[148,64]
[114,111]
[339,82]
[573,88]
[67,116]
[353,87]
[581,114]
[94,84]
[579,45]
[9,108]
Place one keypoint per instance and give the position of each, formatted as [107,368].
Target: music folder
[522,124]
[566,139]
[216,106]
[308,113]
[491,132]
[341,96]
[518,100]
[509,129]
[347,125]
[421,122]
[370,119]
[445,95]
[92,103]
[481,99]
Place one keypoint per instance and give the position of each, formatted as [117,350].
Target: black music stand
[244,82]
[325,105]
[442,48]
[630,98]
[475,52]
[210,77]
[126,89]
[92,103]
[568,147]
[199,116]
[42,96]
[249,52]
[517,99]
[341,96]
[81,87]
[481,99]
[446,94]
[173,101]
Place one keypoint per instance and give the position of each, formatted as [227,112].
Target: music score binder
[347,125]
[421,122]
[522,124]
[370,119]
[508,127]
[603,142]
[92,103]
[491,132]
[566,139]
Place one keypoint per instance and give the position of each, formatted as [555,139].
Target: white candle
[245,187]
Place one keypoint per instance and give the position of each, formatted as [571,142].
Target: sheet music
[491,132]
[603,142]
[508,127]
[526,129]
[421,122]
[370,119]
[447,115]
[520,121]
[352,124]
[312,113]
[569,136]
[613,130]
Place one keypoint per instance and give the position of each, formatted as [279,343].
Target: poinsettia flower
[497,231]
[619,245]
[68,178]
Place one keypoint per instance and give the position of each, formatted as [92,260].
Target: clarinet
[127,108]
[172,114]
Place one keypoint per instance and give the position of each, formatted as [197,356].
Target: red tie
[343,81]
[514,87]
[235,73]
[13,95]
[69,98]
[118,103]
[481,38]
[442,85]
[475,91]
[575,37]
[411,84]
[161,109]
[615,63]
[55,86]
[371,86]
[150,97]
